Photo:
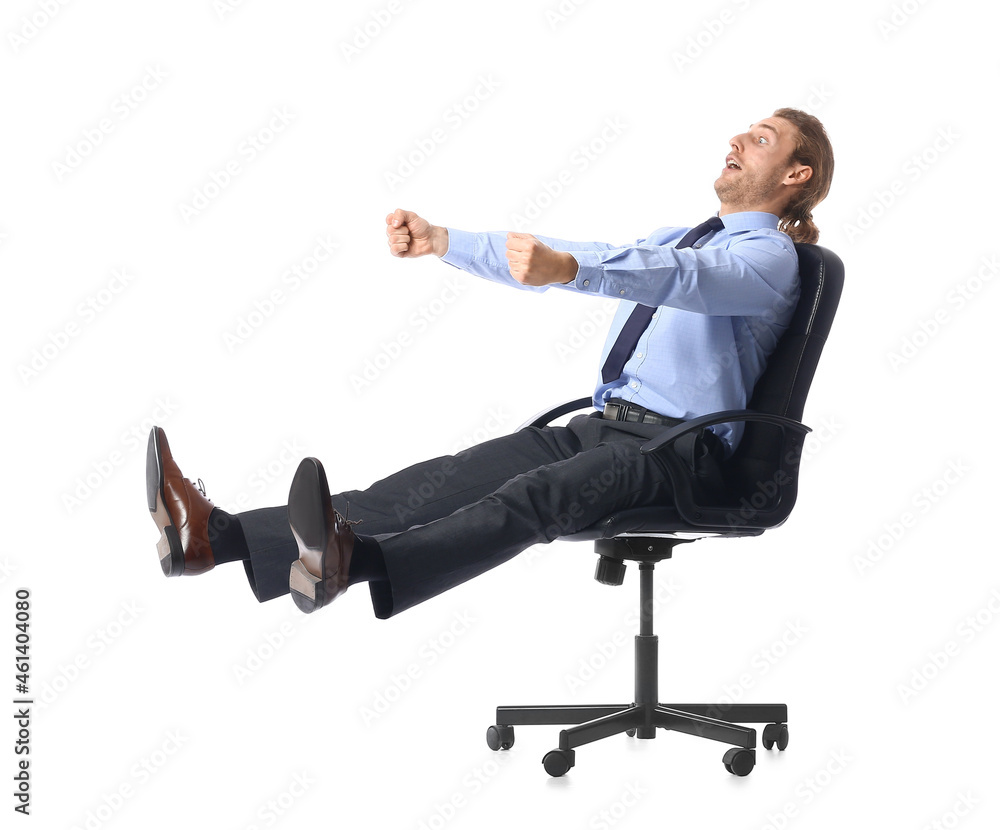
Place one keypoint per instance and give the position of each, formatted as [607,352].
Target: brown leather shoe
[180,510]
[324,537]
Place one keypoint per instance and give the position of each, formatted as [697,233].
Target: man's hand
[412,236]
[532,262]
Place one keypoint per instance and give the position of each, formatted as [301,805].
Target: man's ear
[799,174]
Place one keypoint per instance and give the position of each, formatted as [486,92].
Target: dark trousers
[444,521]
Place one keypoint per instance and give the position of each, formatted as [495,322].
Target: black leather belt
[616,410]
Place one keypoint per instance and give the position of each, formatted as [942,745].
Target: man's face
[757,167]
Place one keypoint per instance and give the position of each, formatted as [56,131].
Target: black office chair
[761,477]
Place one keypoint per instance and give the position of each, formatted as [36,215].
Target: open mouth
[731,164]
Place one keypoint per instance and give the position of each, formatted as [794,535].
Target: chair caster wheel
[775,734]
[500,737]
[559,761]
[739,761]
[630,733]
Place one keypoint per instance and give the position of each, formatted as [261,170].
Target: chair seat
[654,521]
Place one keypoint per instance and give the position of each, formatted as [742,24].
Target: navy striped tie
[639,319]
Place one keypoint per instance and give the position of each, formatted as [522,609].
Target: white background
[165,703]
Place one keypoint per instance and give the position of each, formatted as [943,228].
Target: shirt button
[639,354]
[655,315]
[622,292]
[586,283]
[635,385]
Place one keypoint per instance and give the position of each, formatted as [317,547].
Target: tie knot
[711,225]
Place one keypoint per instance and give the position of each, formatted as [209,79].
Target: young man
[702,308]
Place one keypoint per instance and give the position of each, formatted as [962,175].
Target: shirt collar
[749,220]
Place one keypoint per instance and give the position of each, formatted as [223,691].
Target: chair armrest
[739,507]
[547,415]
[670,435]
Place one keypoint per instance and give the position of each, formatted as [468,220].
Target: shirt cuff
[590,274]
[461,247]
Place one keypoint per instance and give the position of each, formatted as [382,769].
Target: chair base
[642,717]
[703,720]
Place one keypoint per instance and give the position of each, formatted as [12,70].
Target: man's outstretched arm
[518,259]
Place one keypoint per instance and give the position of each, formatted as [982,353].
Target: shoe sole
[307,590]
[169,547]
[307,502]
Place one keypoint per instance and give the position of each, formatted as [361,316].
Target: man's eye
[762,140]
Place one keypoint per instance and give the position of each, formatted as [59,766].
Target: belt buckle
[619,411]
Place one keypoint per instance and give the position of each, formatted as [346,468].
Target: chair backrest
[761,462]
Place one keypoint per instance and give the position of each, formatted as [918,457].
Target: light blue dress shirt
[720,308]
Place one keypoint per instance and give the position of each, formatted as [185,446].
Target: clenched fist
[532,262]
[412,236]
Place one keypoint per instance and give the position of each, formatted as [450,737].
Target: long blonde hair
[813,149]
